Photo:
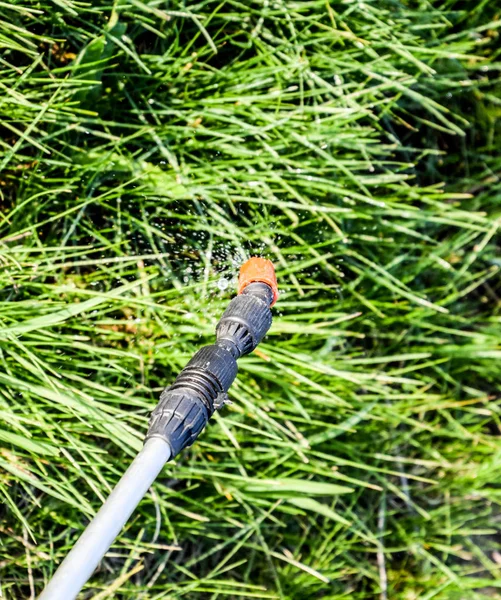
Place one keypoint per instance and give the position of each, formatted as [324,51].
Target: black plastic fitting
[247,319]
[178,418]
[209,373]
[186,406]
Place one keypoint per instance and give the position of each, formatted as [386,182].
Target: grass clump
[147,149]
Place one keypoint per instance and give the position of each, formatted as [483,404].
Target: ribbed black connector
[247,319]
[178,418]
[209,373]
[186,406]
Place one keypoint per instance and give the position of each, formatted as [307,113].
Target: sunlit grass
[146,150]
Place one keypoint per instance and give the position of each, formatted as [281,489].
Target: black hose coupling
[201,388]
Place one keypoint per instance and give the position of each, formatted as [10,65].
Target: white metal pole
[95,541]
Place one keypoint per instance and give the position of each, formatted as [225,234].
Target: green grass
[147,149]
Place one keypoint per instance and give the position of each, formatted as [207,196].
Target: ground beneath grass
[146,150]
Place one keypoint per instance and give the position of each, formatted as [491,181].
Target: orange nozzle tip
[258,269]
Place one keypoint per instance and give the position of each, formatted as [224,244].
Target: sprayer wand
[181,414]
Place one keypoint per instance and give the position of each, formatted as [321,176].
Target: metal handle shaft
[78,566]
